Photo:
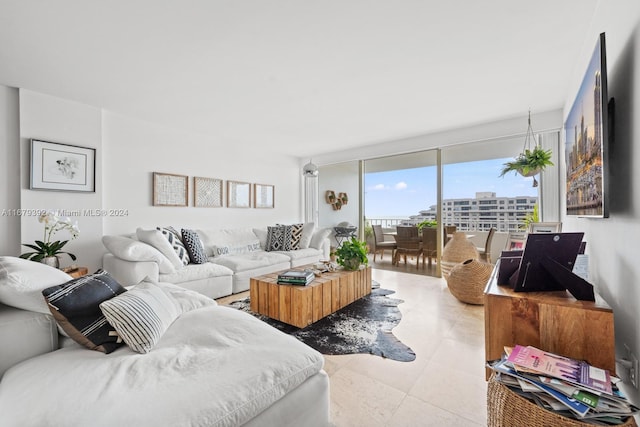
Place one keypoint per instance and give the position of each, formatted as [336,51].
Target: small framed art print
[170,189]
[207,192]
[62,167]
[263,196]
[238,194]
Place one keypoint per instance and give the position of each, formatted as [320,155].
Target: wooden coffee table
[302,305]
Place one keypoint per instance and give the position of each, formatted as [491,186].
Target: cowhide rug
[361,327]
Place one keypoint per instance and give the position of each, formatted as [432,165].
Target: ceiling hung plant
[531,161]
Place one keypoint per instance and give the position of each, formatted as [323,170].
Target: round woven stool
[468,279]
[506,409]
[457,250]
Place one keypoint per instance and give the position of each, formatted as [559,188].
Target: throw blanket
[215,366]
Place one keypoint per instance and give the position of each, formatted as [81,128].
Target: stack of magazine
[569,387]
[294,277]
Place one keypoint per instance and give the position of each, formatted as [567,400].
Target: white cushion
[318,237]
[250,261]
[22,282]
[142,315]
[302,253]
[307,233]
[236,249]
[196,272]
[158,241]
[134,250]
[261,233]
[185,299]
[226,237]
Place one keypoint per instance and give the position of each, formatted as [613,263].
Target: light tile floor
[444,386]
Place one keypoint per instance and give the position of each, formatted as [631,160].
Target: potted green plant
[531,218]
[352,254]
[45,250]
[530,162]
[427,223]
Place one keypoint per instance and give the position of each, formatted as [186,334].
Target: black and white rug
[361,327]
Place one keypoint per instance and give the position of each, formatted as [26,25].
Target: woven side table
[506,409]
[457,250]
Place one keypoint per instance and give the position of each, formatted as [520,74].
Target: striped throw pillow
[141,316]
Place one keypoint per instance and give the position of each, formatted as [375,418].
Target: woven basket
[467,281]
[457,250]
[506,409]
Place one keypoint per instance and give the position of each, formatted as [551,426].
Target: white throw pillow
[158,241]
[318,237]
[307,233]
[219,251]
[262,237]
[22,282]
[134,250]
[142,315]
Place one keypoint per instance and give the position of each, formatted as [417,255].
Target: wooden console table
[302,305]
[552,321]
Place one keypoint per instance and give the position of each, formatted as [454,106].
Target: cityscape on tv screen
[584,142]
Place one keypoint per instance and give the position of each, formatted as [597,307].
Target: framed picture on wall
[62,167]
[238,194]
[207,192]
[170,189]
[263,196]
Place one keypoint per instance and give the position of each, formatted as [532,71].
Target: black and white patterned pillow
[294,232]
[171,235]
[194,246]
[76,307]
[296,235]
[280,238]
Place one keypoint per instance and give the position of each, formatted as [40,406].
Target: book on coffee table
[295,277]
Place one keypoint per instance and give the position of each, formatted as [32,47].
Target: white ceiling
[298,76]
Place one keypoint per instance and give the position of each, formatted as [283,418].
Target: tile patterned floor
[444,386]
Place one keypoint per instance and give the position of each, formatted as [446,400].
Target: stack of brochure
[569,387]
[294,277]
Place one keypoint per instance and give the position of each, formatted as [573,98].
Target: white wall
[10,171]
[341,178]
[613,243]
[128,151]
[58,120]
[134,149]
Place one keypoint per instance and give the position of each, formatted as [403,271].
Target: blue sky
[407,192]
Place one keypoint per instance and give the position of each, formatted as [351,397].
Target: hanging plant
[529,163]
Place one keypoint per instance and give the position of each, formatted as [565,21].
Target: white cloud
[401,186]
[378,187]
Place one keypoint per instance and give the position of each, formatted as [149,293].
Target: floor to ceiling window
[403,189]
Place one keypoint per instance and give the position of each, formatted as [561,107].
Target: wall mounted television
[586,142]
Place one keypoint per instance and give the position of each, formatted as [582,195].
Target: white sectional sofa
[212,366]
[234,256]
